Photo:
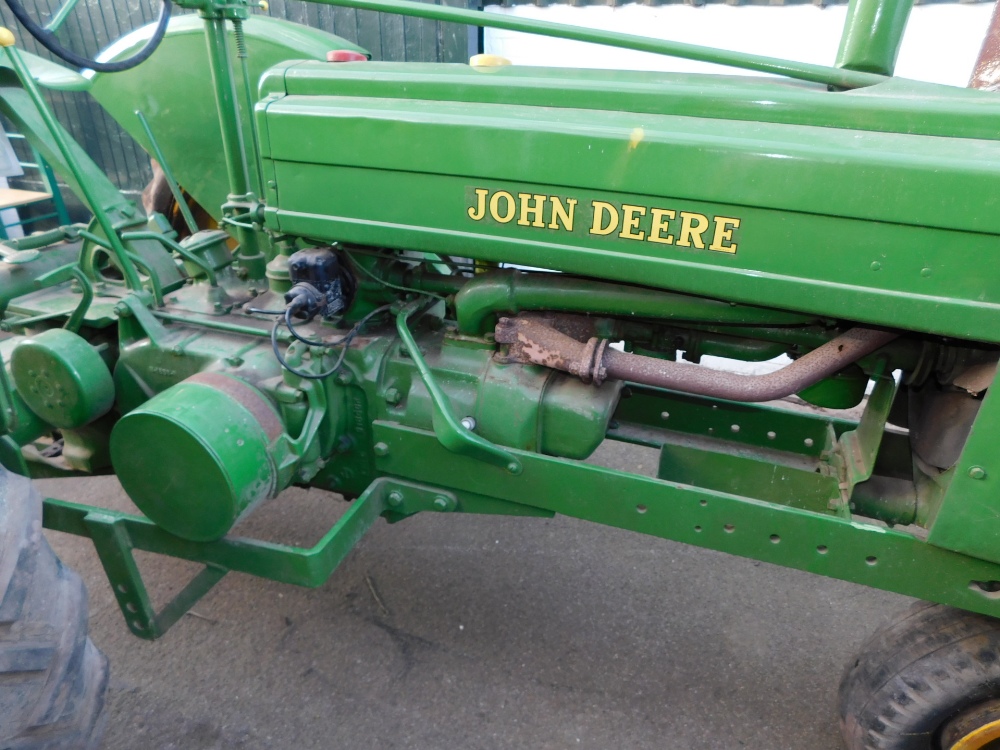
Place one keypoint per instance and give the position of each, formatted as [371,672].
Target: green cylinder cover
[196,457]
[62,378]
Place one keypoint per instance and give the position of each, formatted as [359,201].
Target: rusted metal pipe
[533,341]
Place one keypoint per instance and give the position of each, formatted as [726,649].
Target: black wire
[265,312]
[48,40]
[291,329]
[345,342]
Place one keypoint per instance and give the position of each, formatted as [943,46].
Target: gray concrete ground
[469,633]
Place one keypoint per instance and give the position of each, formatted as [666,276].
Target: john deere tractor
[439,288]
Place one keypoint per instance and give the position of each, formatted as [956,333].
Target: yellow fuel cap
[6,37]
[488,61]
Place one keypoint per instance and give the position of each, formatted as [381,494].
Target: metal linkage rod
[837,77]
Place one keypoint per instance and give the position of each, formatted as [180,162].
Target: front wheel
[929,680]
[52,677]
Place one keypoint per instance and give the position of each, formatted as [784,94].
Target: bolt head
[977,472]
[395,498]
[441,503]
[344,377]
[381,449]
[393,396]
[469,423]
[122,310]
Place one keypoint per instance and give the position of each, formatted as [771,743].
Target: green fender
[173,89]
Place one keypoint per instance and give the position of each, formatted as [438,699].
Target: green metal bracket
[116,535]
[169,244]
[62,275]
[290,452]
[449,431]
[819,543]
[114,547]
[133,313]
[858,448]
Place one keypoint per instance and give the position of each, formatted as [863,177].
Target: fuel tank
[877,204]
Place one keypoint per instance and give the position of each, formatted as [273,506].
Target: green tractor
[439,288]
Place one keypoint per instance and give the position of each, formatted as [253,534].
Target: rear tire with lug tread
[929,680]
[52,677]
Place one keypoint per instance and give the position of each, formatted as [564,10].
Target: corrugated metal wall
[96,23]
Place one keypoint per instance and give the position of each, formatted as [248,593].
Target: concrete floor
[452,632]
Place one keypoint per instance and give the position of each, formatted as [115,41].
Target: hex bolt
[442,503]
[122,310]
[469,423]
[395,498]
[381,449]
[977,472]
[393,396]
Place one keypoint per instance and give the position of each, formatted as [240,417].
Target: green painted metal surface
[826,545]
[63,378]
[181,110]
[689,216]
[872,36]
[218,464]
[822,230]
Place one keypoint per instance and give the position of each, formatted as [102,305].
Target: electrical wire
[345,342]
[48,40]
[289,312]
[265,312]
[397,287]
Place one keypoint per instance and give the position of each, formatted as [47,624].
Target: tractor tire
[52,677]
[929,680]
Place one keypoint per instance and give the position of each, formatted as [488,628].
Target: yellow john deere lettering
[666,226]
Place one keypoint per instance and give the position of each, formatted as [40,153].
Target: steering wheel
[47,38]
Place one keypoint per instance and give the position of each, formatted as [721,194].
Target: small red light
[345,55]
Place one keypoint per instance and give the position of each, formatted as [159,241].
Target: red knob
[345,55]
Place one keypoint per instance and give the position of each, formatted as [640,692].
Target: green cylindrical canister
[62,378]
[196,457]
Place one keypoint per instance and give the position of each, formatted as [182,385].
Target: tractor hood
[691,182]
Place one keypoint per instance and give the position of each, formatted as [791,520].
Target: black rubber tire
[52,677]
[917,673]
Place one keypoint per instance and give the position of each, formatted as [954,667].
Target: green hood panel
[876,225]
[180,106]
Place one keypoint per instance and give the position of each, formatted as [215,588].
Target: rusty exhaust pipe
[532,341]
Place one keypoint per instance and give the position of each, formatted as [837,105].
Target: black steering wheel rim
[48,40]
